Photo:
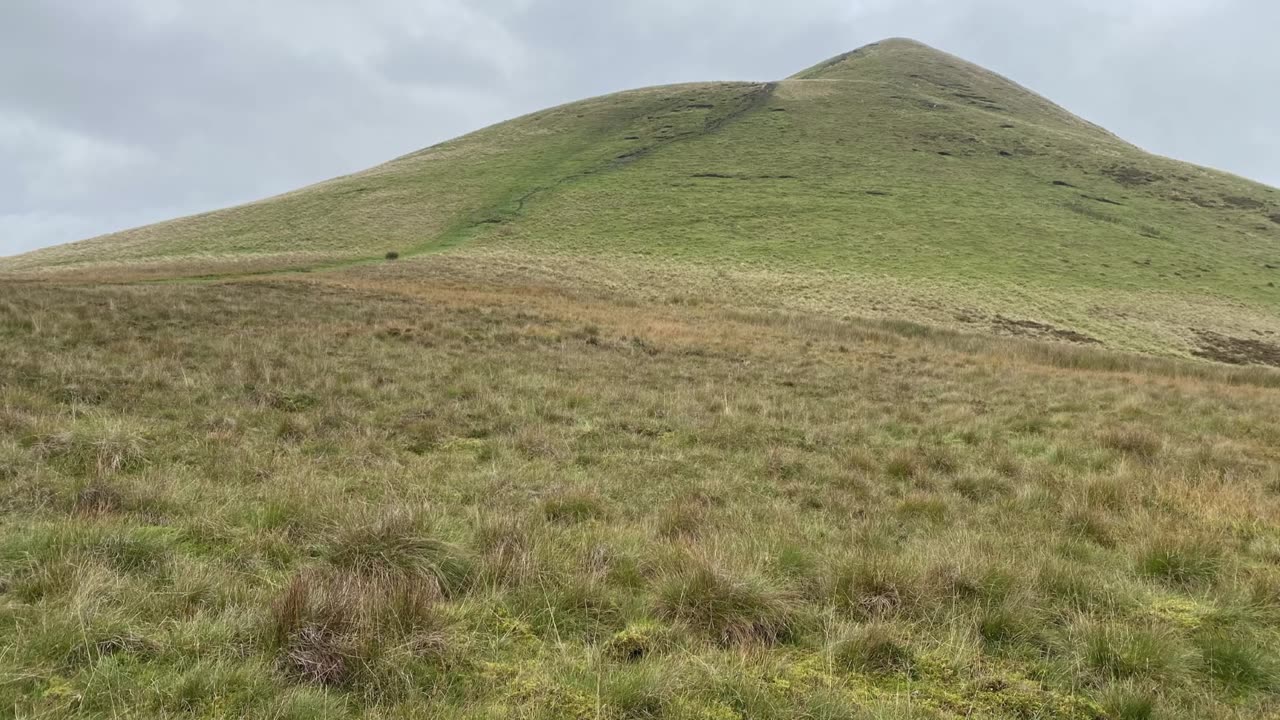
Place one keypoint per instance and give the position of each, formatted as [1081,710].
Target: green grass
[313,498]
[680,403]
[894,181]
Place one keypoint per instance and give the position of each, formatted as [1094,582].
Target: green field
[713,402]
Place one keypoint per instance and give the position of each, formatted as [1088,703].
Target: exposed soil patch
[1031,328]
[722,176]
[1243,203]
[1195,200]
[1236,351]
[1131,176]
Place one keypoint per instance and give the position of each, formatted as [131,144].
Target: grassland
[895,177]
[728,401]
[362,496]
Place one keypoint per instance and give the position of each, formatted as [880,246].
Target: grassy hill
[892,181]
[655,419]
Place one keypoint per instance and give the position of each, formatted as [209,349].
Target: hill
[643,425]
[892,181]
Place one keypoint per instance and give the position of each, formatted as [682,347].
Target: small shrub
[392,255]
[732,610]
[875,649]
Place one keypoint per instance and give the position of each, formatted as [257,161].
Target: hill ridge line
[757,95]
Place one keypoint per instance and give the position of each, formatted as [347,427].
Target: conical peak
[902,50]
[914,69]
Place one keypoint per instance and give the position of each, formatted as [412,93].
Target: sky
[118,113]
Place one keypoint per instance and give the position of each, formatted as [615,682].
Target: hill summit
[894,179]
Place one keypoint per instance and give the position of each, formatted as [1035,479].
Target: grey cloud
[114,114]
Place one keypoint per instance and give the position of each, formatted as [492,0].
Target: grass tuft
[733,610]
[335,629]
[877,587]
[1239,663]
[396,545]
[1126,701]
[1137,442]
[1127,652]
[573,506]
[875,648]
[1181,561]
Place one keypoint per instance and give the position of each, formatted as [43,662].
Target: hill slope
[607,445]
[895,172]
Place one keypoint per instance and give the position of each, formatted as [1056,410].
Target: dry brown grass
[345,496]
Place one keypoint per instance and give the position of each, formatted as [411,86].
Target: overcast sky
[116,113]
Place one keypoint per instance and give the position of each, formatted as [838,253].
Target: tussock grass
[1181,560]
[730,608]
[875,649]
[396,545]
[345,630]
[1124,652]
[1237,663]
[482,509]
